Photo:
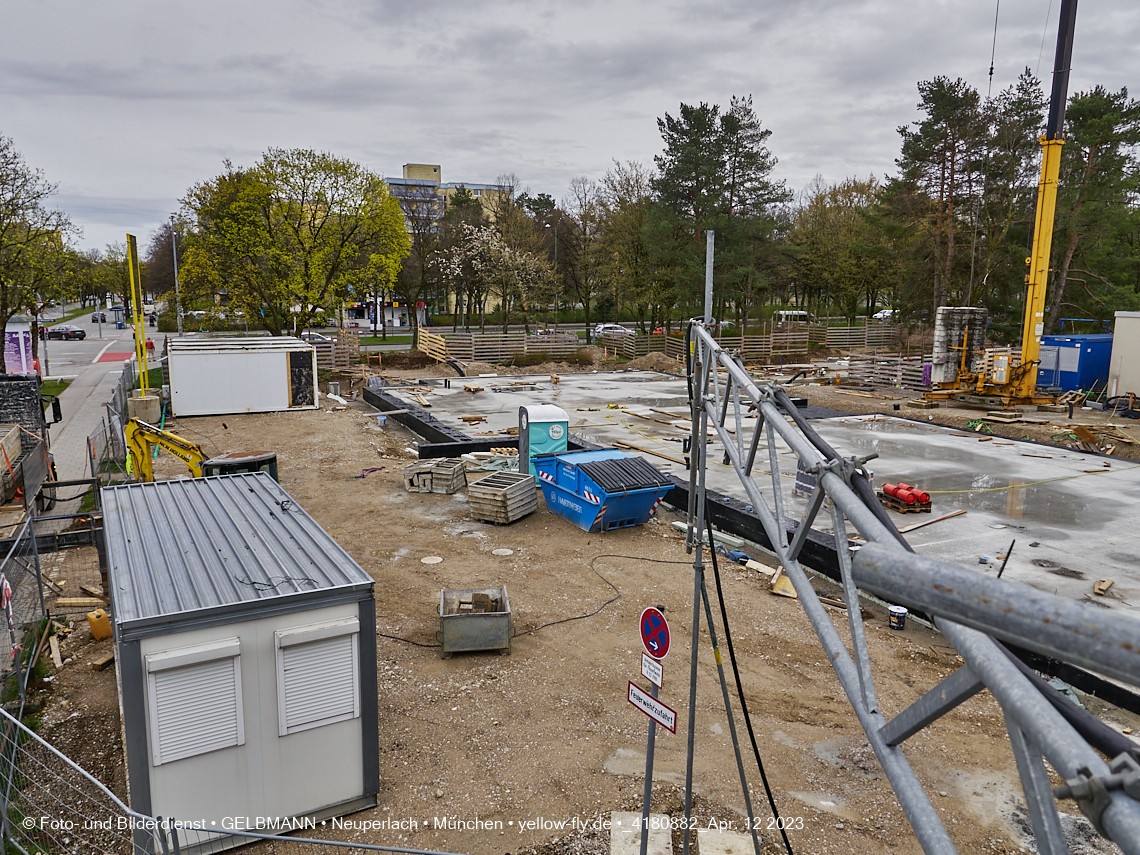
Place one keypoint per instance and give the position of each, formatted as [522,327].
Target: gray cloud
[128,105]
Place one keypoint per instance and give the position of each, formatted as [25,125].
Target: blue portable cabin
[1071,362]
[601,490]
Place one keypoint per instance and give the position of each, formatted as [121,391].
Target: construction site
[817,589]
[520,736]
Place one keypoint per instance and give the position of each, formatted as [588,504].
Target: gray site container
[245,649]
[462,631]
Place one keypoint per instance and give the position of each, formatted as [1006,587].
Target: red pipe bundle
[906,494]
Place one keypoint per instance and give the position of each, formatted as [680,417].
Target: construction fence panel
[498,347]
[870,335]
[21,597]
[340,354]
[433,344]
[52,805]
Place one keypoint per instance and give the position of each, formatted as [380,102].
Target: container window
[318,675]
[195,700]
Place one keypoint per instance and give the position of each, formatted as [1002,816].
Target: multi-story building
[424,181]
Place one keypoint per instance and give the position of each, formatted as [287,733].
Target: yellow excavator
[142,436]
[1017,384]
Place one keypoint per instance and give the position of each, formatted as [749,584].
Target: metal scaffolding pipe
[1094,638]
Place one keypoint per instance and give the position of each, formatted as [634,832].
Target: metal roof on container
[214,550]
[252,343]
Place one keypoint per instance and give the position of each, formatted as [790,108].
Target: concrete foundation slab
[1070,512]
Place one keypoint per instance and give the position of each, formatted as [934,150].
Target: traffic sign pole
[649,745]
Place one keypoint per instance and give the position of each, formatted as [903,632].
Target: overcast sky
[126,104]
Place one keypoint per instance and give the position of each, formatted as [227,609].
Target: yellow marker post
[136,298]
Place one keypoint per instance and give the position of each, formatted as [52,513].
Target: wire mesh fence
[107,450]
[21,598]
[51,804]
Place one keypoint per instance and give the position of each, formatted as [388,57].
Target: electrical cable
[740,685]
[613,599]
[1044,33]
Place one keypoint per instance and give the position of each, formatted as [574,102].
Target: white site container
[220,376]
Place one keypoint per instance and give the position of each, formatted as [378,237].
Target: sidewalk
[82,403]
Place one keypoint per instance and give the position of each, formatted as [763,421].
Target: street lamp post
[177,290]
[558,291]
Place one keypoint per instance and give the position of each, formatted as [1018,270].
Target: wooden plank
[102,662]
[630,445]
[53,642]
[79,603]
[913,526]
[94,592]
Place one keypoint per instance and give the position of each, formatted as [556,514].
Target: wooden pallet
[902,507]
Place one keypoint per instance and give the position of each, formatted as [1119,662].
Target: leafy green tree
[298,232]
[626,202]
[841,257]
[32,236]
[1098,193]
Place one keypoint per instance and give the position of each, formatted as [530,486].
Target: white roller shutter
[195,700]
[318,679]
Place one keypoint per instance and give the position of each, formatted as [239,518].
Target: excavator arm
[140,436]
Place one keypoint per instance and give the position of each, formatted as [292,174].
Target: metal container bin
[601,490]
[462,628]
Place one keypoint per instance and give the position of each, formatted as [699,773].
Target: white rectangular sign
[651,670]
[652,707]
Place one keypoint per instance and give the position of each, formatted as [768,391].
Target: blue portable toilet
[601,490]
[543,429]
[1072,362]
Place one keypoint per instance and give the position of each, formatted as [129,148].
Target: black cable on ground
[740,686]
[614,599]
[406,640]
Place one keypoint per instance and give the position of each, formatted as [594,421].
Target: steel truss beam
[969,609]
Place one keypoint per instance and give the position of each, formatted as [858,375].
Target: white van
[794,316]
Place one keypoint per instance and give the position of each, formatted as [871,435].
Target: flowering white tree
[481,264]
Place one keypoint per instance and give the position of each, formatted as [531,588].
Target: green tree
[1099,189]
[299,232]
[941,159]
[32,236]
[715,173]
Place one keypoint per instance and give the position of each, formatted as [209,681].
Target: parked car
[67,332]
[612,329]
[98,317]
[884,315]
[315,338]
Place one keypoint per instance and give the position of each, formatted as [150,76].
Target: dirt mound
[656,362]
[403,359]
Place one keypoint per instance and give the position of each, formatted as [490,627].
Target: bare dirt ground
[546,734]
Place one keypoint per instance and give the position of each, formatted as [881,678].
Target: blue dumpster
[601,490]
